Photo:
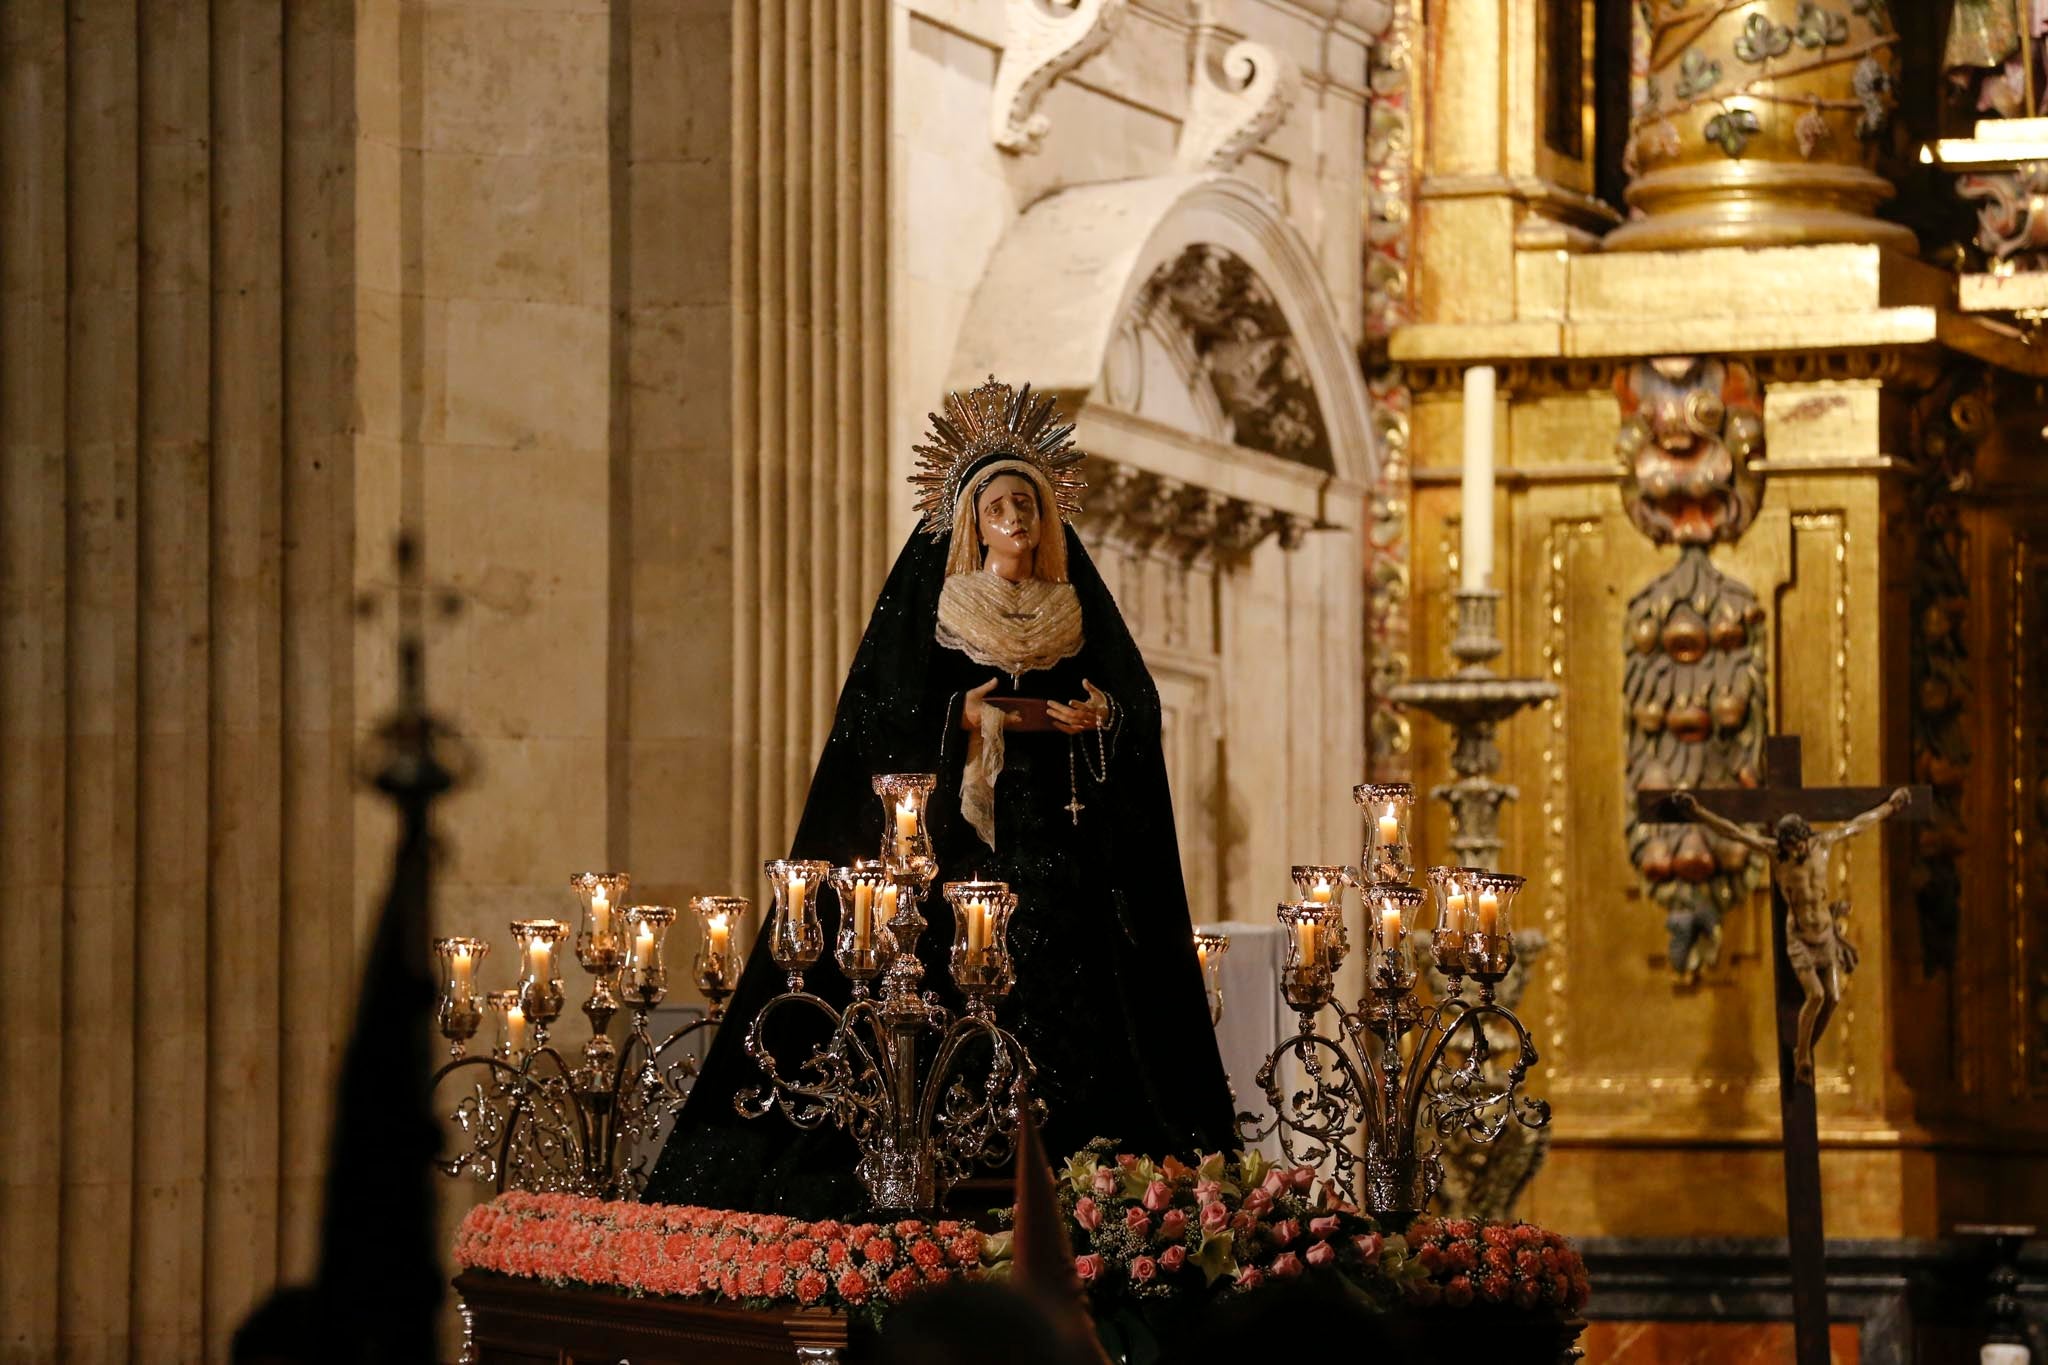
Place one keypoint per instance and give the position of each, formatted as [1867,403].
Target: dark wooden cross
[1783,794]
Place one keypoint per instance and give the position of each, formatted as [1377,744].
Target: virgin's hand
[1088,713]
[970,711]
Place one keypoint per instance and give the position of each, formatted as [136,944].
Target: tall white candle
[515,1029]
[464,969]
[1476,542]
[600,914]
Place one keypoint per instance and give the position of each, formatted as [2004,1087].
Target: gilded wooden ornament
[1694,681]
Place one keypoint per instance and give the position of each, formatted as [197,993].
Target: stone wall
[177,271]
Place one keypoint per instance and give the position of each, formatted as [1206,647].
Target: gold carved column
[1895,553]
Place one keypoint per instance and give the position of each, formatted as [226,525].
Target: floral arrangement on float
[715,1255]
[1153,1241]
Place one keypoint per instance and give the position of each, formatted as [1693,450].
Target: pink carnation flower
[853,1287]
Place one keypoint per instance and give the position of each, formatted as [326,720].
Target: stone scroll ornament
[1043,41]
[1694,683]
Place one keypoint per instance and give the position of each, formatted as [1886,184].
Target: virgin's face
[1006,513]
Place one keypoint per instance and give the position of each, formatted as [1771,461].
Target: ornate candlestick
[533,1121]
[1401,1073]
[1473,702]
[918,1130]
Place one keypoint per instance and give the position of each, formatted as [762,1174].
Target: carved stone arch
[1079,268]
[1235,555]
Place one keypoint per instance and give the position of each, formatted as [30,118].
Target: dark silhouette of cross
[1782,794]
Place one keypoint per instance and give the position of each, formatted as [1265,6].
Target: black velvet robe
[1109,995]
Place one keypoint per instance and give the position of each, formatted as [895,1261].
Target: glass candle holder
[795,937]
[1489,941]
[721,920]
[906,835]
[1210,946]
[1453,915]
[508,1022]
[601,897]
[1313,952]
[863,946]
[1325,885]
[981,938]
[1391,908]
[540,985]
[1388,856]
[644,980]
[461,1008]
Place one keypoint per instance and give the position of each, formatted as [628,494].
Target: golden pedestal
[1759,125]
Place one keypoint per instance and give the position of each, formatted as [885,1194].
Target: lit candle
[1305,943]
[793,922]
[1489,912]
[977,930]
[540,960]
[1390,828]
[600,914]
[1321,893]
[1476,541]
[906,826]
[643,947]
[863,916]
[462,967]
[1454,911]
[888,910]
[515,1029]
[1390,925]
[719,934]
[1202,952]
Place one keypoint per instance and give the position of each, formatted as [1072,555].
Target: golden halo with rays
[995,419]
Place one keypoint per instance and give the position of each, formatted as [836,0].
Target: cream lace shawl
[1014,628]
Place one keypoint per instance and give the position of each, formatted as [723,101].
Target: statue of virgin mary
[996,658]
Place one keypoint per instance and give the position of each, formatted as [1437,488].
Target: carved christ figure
[1816,942]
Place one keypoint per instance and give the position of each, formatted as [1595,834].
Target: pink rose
[1321,1254]
[1274,1185]
[1173,1258]
[1215,1217]
[1258,1203]
[1286,1233]
[1105,1181]
[1088,1213]
[1173,1224]
[1368,1246]
[1286,1264]
[1324,1227]
[1138,1221]
[1303,1178]
[1088,1267]
[1157,1195]
[1208,1192]
[1250,1278]
[1143,1269]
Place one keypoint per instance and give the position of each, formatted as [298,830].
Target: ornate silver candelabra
[1398,1071]
[918,1129]
[1473,702]
[532,1118]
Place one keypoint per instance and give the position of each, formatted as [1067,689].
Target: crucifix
[1807,947]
